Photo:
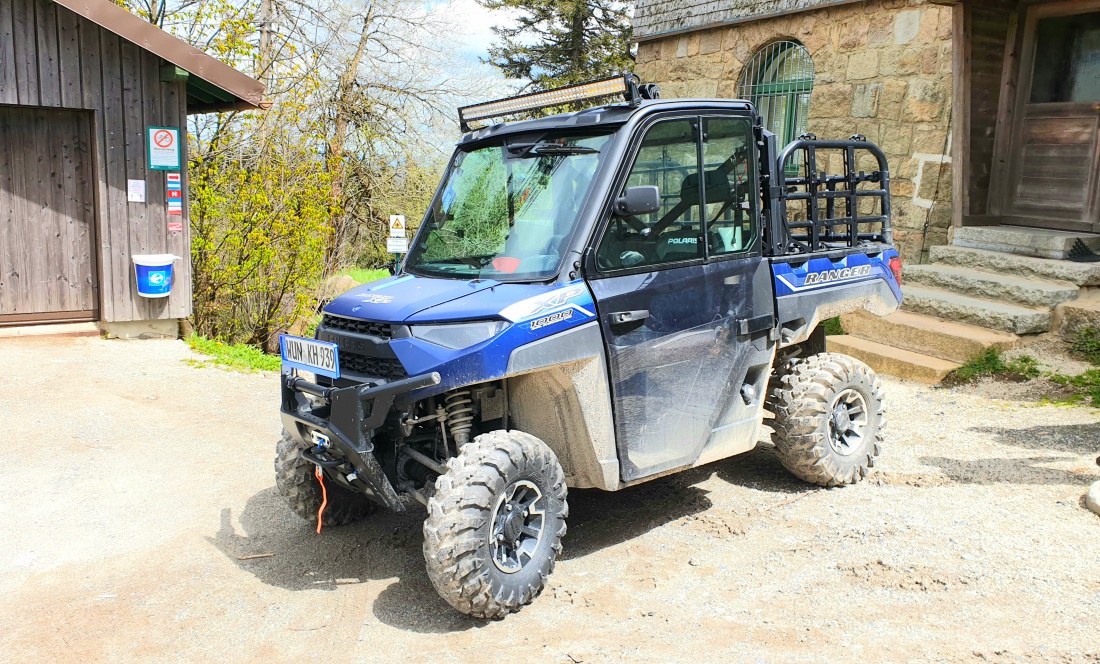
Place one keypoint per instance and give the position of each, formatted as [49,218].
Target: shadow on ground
[1008,470]
[387,545]
[1073,438]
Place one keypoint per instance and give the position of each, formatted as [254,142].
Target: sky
[474,26]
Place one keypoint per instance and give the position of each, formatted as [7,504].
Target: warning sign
[163,145]
[397,245]
[397,225]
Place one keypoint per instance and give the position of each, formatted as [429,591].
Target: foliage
[833,327]
[558,42]
[366,275]
[282,199]
[991,362]
[259,235]
[232,356]
[1087,344]
[1085,387]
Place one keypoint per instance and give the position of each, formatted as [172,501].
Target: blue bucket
[154,274]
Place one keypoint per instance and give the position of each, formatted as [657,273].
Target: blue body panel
[822,274]
[535,311]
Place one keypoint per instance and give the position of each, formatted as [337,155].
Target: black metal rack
[832,201]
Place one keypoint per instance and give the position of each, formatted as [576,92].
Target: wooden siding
[47,215]
[53,58]
[988,32]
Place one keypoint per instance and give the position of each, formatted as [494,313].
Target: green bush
[1086,386]
[991,362]
[833,327]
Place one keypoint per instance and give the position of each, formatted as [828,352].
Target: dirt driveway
[133,483]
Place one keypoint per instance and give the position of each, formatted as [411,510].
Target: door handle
[621,317]
[747,326]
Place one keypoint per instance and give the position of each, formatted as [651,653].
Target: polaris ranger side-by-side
[594,299]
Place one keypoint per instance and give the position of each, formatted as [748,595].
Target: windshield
[507,210]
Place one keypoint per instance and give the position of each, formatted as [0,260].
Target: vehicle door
[677,290]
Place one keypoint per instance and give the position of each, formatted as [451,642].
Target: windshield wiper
[557,149]
[528,150]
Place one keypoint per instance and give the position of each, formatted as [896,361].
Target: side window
[668,158]
[730,191]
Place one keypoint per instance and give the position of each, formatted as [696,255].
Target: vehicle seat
[679,245]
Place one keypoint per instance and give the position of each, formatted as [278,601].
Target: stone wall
[883,68]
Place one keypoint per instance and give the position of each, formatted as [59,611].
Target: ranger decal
[834,275]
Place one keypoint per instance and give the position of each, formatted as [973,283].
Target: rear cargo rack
[812,211]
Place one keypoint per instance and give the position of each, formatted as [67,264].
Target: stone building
[989,112]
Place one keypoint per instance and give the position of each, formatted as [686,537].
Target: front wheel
[829,417]
[495,524]
[296,483]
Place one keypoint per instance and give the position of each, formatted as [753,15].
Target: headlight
[459,335]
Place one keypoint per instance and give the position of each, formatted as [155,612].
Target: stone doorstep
[1082,274]
[1029,291]
[892,361]
[975,311]
[927,335]
[1039,242]
[51,330]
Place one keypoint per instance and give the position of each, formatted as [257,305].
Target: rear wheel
[829,417]
[495,524]
[296,483]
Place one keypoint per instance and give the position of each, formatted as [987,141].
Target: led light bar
[475,116]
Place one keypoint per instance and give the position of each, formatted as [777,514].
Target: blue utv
[594,299]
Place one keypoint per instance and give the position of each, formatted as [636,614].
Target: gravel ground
[134,483]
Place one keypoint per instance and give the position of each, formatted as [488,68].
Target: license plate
[320,357]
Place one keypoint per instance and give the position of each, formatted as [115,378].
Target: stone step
[1082,274]
[1038,242]
[1084,312]
[1029,291]
[947,340]
[52,330]
[1002,316]
[892,361]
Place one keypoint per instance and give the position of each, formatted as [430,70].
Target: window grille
[778,80]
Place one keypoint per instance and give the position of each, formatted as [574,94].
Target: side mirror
[638,201]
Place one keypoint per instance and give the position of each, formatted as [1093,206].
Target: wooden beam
[960,114]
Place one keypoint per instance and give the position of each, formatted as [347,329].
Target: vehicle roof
[602,116]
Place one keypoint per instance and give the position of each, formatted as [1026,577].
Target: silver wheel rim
[848,422]
[517,525]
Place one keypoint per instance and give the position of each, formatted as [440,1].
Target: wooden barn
[93,161]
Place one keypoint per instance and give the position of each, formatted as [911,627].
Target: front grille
[367,327]
[372,367]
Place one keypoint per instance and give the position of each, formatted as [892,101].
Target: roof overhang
[212,85]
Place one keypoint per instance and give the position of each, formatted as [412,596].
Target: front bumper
[347,416]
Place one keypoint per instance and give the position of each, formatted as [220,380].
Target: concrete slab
[927,335]
[1029,291]
[1039,242]
[892,361]
[143,329]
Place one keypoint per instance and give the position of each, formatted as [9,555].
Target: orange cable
[324,496]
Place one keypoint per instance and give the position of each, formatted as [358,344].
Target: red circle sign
[162,138]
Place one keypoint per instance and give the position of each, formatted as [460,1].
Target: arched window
[778,80]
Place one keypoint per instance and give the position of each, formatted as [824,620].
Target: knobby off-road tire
[470,531]
[829,417]
[296,483]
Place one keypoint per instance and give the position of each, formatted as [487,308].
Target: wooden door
[47,216]
[1054,156]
